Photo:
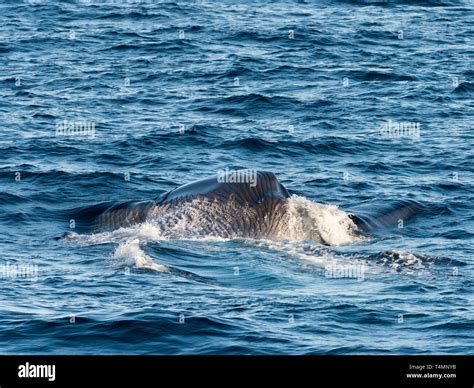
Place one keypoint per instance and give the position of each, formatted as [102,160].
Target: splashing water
[322,223]
[130,254]
[305,220]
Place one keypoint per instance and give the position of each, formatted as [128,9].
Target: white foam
[398,259]
[130,254]
[327,224]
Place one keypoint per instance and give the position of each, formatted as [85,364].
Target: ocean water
[355,105]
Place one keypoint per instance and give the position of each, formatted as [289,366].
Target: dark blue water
[357,104]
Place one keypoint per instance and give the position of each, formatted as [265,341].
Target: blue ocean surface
[355,105]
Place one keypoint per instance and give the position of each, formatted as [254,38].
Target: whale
[254,208]
[232,204]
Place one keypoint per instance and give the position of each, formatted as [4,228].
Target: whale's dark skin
[226,209]
[266,188]
[258,209]
[253,210]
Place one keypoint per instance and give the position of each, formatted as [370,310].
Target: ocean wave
[328,145]
[464,88]
[380,75]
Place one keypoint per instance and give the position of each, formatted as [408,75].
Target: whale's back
[264,184]
[258,207]
[222,207]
